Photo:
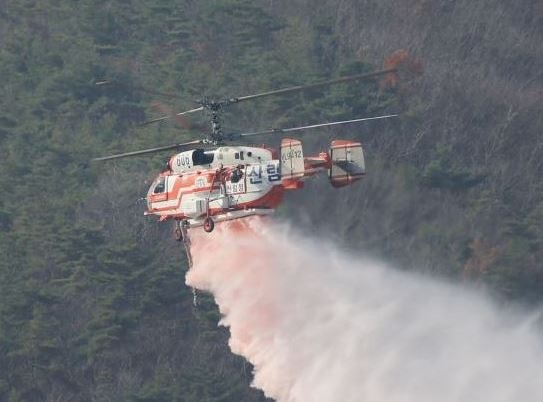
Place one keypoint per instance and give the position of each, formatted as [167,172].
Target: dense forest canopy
[93,305]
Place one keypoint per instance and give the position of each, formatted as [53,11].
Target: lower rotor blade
[286,130]
[147,151]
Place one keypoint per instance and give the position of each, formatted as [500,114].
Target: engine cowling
[190,160]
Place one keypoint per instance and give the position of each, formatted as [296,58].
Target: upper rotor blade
[286,130]
[177,114]
[147,151]
[348,78]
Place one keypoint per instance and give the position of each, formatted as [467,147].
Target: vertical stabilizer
[292,159]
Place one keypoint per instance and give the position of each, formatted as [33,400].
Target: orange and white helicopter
[213,181]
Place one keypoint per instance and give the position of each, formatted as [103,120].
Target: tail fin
[292,159]
[348,165]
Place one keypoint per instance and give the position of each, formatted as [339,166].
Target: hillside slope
[93,305]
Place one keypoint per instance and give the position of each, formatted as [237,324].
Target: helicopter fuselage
[229,181]
[234,182]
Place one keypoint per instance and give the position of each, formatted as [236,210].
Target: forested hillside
[93,305]
[456,188]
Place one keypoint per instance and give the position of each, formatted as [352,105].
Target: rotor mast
[214,109]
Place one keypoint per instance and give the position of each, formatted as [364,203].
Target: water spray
[321,325]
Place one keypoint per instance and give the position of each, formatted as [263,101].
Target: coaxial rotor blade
[300,128]
[177,114]
[166,110]
[147,151]
[357,77]
[218,104]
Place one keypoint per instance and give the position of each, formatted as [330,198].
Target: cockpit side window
[160,185]
[200,157]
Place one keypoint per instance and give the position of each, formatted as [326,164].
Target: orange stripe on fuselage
[270,201]
[185,185]
[185,182]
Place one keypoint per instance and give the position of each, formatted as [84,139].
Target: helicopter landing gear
[209,225]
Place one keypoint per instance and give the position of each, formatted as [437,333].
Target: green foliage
[443,173]
[83,288]
[93,304]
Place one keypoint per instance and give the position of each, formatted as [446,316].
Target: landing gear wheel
[209,225]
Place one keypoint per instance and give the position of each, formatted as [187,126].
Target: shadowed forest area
[93,305]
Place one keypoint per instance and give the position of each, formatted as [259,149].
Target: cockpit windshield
[160,185]
[200,157]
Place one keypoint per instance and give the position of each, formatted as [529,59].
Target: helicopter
[214,179]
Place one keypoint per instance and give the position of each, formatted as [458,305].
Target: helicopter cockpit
[159,186]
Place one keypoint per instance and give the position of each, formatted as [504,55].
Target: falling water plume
[319,324]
